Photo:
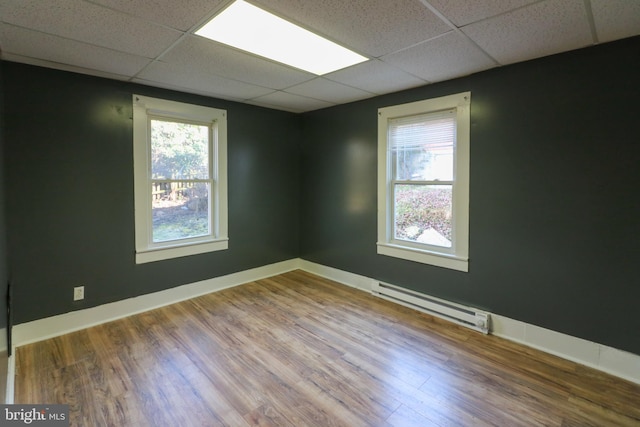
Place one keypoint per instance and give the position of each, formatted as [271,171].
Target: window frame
[146,109]
[457,256]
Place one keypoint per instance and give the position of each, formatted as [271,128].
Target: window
[423,181]
[180,160]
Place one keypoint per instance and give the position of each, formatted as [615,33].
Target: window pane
[422,146]
[424,163]
[180,210]
[423,214]
[179,150]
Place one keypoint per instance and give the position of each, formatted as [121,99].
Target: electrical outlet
[78,293]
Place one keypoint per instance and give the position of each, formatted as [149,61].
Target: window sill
[425,257]
[159,254]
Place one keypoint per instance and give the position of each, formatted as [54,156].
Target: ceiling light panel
[249,28]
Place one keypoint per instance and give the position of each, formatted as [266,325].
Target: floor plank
[300,350]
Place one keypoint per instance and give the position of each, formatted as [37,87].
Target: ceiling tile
[184,89]
[446,57]
[463,12]
[538,30]
[289,102]
[166,12]
[616,19]
[90,23]
[184,76]
[409,45]
[376,77]
[215,58]
[53,49]
[371,27]
[329,91]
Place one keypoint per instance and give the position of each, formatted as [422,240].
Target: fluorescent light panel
[249,28]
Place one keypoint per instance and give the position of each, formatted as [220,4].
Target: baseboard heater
[460,314]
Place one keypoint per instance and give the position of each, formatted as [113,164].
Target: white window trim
[456,257]
[146,251]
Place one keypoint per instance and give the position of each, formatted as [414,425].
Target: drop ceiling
[409,43]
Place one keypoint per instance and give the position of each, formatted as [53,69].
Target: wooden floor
[298,350]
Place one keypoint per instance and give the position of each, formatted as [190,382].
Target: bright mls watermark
[36,415]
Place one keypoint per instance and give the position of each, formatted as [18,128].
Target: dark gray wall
[554,178]
[69,161]
[554,207]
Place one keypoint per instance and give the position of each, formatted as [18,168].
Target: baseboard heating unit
[460,314]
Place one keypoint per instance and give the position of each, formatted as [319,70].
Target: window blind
[431,131]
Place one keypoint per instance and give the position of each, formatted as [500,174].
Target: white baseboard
[41,329]
[616,362]
[8,397]
[598,356]
[11,380]
[607,359]
[350,279]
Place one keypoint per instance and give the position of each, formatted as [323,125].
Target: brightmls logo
[36,415]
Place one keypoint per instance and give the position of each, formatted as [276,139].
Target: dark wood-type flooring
[299,350]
